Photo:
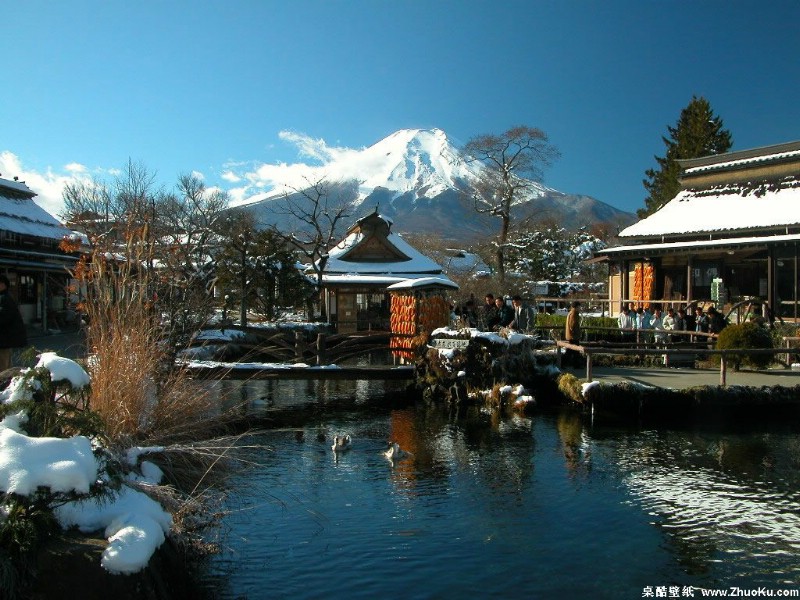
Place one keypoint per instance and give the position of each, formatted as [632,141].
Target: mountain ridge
[421,181]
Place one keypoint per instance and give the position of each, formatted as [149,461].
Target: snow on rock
[63,369]
[585,387]
[134,524]
[132,540]
[524,400]
[63,465]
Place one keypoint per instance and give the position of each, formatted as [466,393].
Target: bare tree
[514,161]
[169,239]
[318,211]
[88,206]
[111,212]
[189,223]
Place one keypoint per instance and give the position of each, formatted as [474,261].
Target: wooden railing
[610,349]
[298,346]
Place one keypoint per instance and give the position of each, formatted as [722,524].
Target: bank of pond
[523,372]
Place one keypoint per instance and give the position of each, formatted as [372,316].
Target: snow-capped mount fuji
[421,180]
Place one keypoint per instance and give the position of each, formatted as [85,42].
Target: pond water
[546,506]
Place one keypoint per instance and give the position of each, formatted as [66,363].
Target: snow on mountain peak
[422,161]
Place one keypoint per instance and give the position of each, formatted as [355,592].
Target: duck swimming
[341,443]
[395,452]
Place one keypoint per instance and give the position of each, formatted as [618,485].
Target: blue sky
[186,86]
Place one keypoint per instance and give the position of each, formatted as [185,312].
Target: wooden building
[730,235]
[363,265]
[30,255]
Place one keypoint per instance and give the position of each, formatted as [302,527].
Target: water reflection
[541,506]
[719,498]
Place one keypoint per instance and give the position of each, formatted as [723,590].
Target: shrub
[746,336]
[593,328]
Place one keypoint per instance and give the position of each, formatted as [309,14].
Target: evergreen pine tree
[697,133]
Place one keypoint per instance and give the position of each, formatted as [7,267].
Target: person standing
[522,320]
[716,322]
[669,322]
[700,320]
[700,324]
[505,314]
[627,324]
[489,313]
[12,327]
[572,335]
[657,324]
[644,324]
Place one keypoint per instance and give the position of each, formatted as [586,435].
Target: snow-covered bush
[56,469]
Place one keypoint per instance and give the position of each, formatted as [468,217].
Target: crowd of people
[639,324]
[497,313]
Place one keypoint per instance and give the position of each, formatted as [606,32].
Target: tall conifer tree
[697,133]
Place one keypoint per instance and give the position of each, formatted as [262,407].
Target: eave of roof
[764,154]
[15,189]
[667,247]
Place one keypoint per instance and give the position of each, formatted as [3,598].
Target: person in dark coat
[12,328]
[505,314]
[489,313]
[522,318]
[716,322]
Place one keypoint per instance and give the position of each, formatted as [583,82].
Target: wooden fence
[298,346]
[589,351]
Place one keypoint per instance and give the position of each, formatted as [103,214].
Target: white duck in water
[341,443]
[395,452]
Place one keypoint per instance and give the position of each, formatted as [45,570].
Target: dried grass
[136,388]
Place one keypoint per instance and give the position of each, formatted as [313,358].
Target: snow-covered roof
[694,211]
[377,228]
[416,263]
[19,187]
[744,191]
[423,282]
[20,214]
[356,279]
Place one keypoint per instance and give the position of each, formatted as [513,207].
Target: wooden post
[588,367]
[723,370]
[321,349]
[298,345]
[558,356]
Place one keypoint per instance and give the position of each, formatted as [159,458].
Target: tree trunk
[501,249]
[243,305]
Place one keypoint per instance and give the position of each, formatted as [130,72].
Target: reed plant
[143,398]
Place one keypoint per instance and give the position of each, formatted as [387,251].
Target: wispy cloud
[259,178]
[247,178]
[75,168]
